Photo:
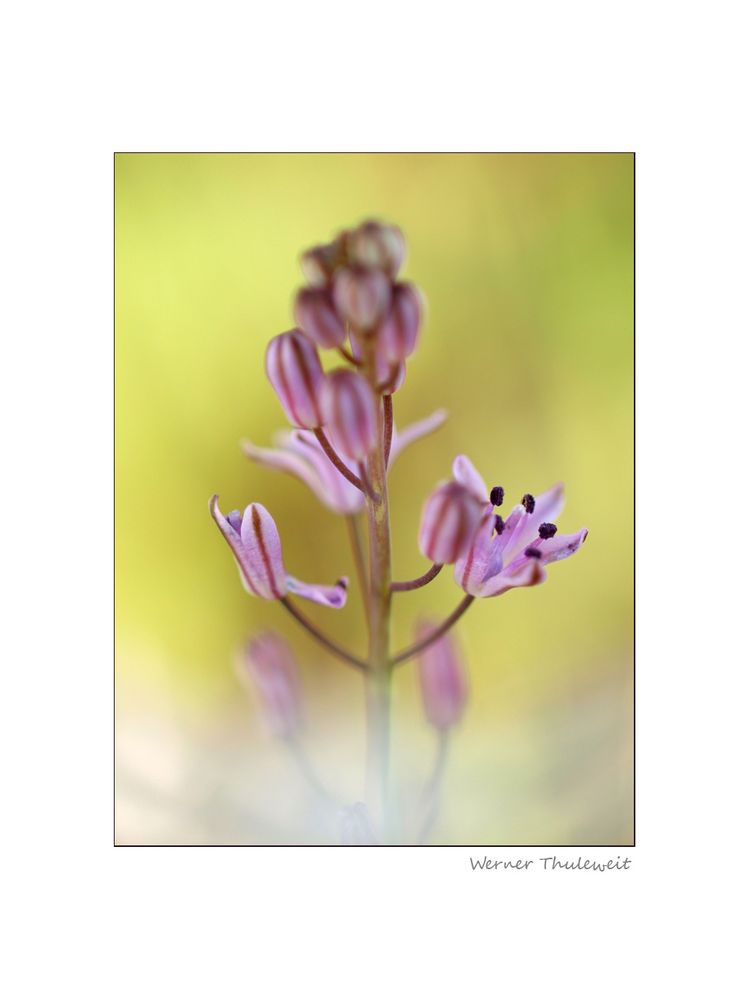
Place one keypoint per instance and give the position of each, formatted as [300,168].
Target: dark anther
[533,553]
[499,524]
[497,495]
[547,530]
[528,502]
[341,582]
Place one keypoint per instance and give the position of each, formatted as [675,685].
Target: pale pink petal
[331,597]
[334,491]
[262,545]
[472,568]
[413,432]
[465,473]
[561,546]
[529,574]
[547,507]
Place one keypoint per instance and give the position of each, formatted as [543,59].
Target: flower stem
[431,794]
[321,637]
[355,541]
[387,427]
[450,621]
[378,677]
[420,581]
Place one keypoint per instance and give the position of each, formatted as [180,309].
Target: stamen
[497,495]
[235,519]
[547,530]
[528,502]
[341,582]
[499,524]
[533,553]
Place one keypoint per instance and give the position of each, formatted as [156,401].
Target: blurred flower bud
[361,296]
[450,518]
[268,662]
[374,244]
[355,826]
[319,262]
[294,371]
[350,413]
[397,336]
[442,678]
[316,317]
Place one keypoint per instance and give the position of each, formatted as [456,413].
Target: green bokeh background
[526,262]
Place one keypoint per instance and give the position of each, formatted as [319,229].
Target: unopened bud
[450,518]
[319,262]
[316,317]
[294,370]
[442,678]
[350,413]
[361,296]
[397,336]
[374,244]
[268,662]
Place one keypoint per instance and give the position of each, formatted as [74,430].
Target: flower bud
[316,317]
[442,678]
[450,518]
[319,262]
[397,336]
[294,370]
[268,662]
[350,413]
[374,244]
[361,296]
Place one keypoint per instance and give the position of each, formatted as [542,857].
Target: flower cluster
[341,445]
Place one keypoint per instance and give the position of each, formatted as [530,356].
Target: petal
[262,545]
[466,474]
[546,508]
[337,493]
[331,597]
[529,574]
[472,568]
[561,546]
[402,439]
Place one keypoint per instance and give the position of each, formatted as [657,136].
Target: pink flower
[268,661]
[300,454]
[255,543]
[513,552]
[294,370]
[350,413]
[442,678]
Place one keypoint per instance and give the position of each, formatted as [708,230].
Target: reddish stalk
[420,581]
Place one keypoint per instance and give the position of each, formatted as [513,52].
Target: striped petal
[294,370]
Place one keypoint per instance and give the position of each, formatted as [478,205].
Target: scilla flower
[255,543]
[512,552]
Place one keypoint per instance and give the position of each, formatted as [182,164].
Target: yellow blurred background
[526,262]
